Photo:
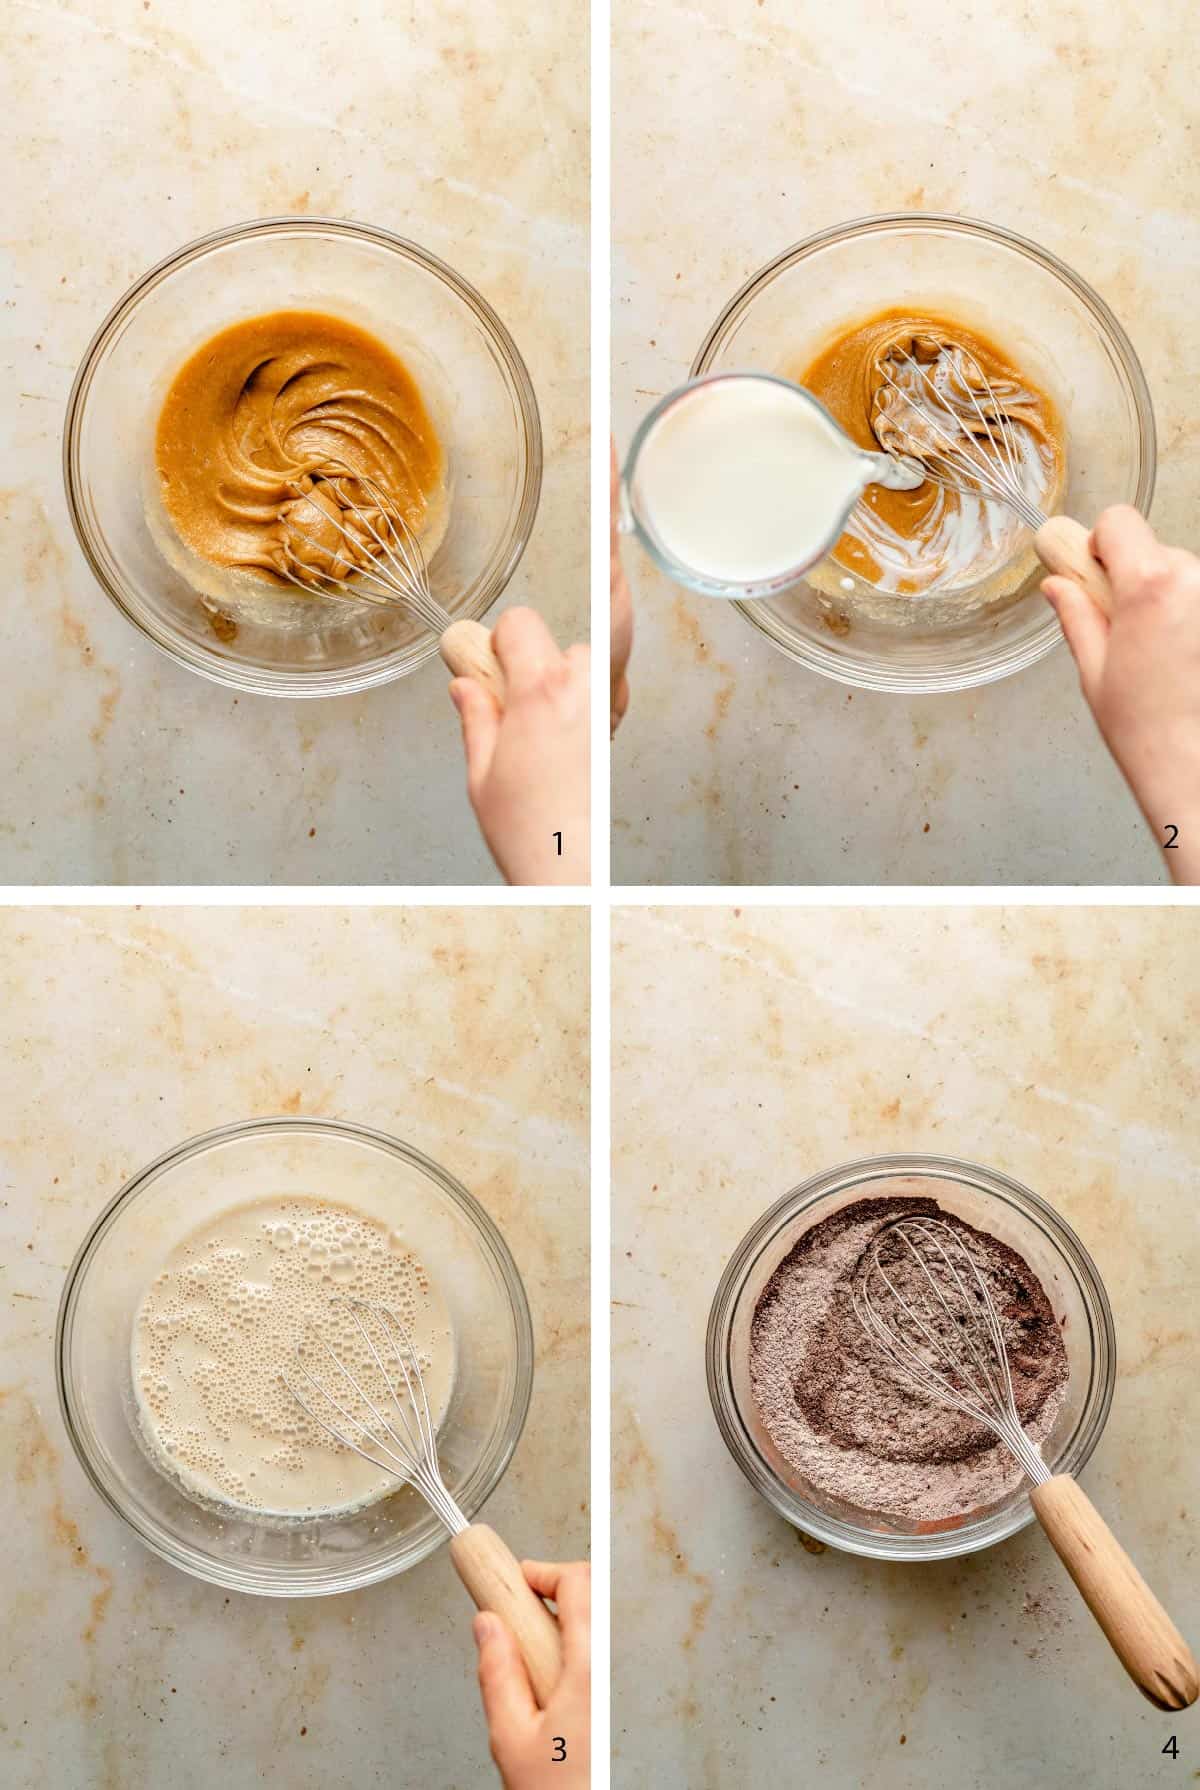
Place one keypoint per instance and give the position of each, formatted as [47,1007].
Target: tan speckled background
[122,1033]
[752,1050]
[743,126]
[129,127]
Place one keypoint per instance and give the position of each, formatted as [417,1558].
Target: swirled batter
[932,539]
[279,424]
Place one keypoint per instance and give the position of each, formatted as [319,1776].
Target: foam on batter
[227,1312]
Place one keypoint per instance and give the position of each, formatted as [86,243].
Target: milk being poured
[744,479]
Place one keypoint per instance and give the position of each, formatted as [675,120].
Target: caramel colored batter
[913,541]
[272,429]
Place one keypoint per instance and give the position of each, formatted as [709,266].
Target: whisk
[942,1333]
[970,447]
[375,557]
[390,1425]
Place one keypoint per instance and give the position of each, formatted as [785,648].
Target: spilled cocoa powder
[852,1425]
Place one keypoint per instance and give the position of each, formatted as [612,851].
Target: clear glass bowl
[993,1203]
[471,375]
[450,1232]
[1056,326]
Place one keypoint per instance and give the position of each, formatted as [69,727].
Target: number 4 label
[1172,1748]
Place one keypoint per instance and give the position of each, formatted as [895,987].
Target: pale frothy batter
[226,1313]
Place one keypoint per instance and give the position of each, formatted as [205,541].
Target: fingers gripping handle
[466,648]
[492,1574]
[1138,1629]
[1065,547]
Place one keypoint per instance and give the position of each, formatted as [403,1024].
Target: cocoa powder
[851,1424]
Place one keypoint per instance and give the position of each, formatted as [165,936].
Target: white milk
[226,1313]
[743,480]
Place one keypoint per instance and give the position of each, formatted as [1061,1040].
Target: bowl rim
[297,1581]
[807,1195]
[270,681]
[1019,657]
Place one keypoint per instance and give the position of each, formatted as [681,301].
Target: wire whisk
[373,555]
[389,1423]
[923,1300]
[944,1334]
[404,1434]
[961,431]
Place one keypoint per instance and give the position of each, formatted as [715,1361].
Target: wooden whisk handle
[466,648]
[1137,1628]
[492,1574]
[1064,547]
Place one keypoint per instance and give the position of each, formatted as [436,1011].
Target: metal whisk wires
[942,1331]
[974,452]
[394,574]
[403,1433]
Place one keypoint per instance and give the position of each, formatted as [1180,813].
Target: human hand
[527,769]
[550,1748]
[620,610]
[1140,673]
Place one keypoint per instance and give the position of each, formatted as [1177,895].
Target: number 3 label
[560,1749]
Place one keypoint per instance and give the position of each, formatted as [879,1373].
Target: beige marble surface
[122,1033]
[741,128]
[753,1050]
[130,127]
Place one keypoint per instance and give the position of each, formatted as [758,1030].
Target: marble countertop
[738,131]
[129,128]
[753,1050]
[122,1033]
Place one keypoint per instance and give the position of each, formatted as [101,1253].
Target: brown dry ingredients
[849,1422]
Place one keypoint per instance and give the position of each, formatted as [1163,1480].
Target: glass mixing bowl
[471,376]
[378,1175]
[1053,323]
[985,1199]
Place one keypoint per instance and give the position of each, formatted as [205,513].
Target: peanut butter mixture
[913,541]
[279,424]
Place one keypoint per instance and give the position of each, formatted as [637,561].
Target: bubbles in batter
[930,539]
[227,1312]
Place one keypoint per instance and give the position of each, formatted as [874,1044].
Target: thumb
[1085,628]
[618,704]
[480,719]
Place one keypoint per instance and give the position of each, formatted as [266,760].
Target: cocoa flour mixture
[852,1425]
